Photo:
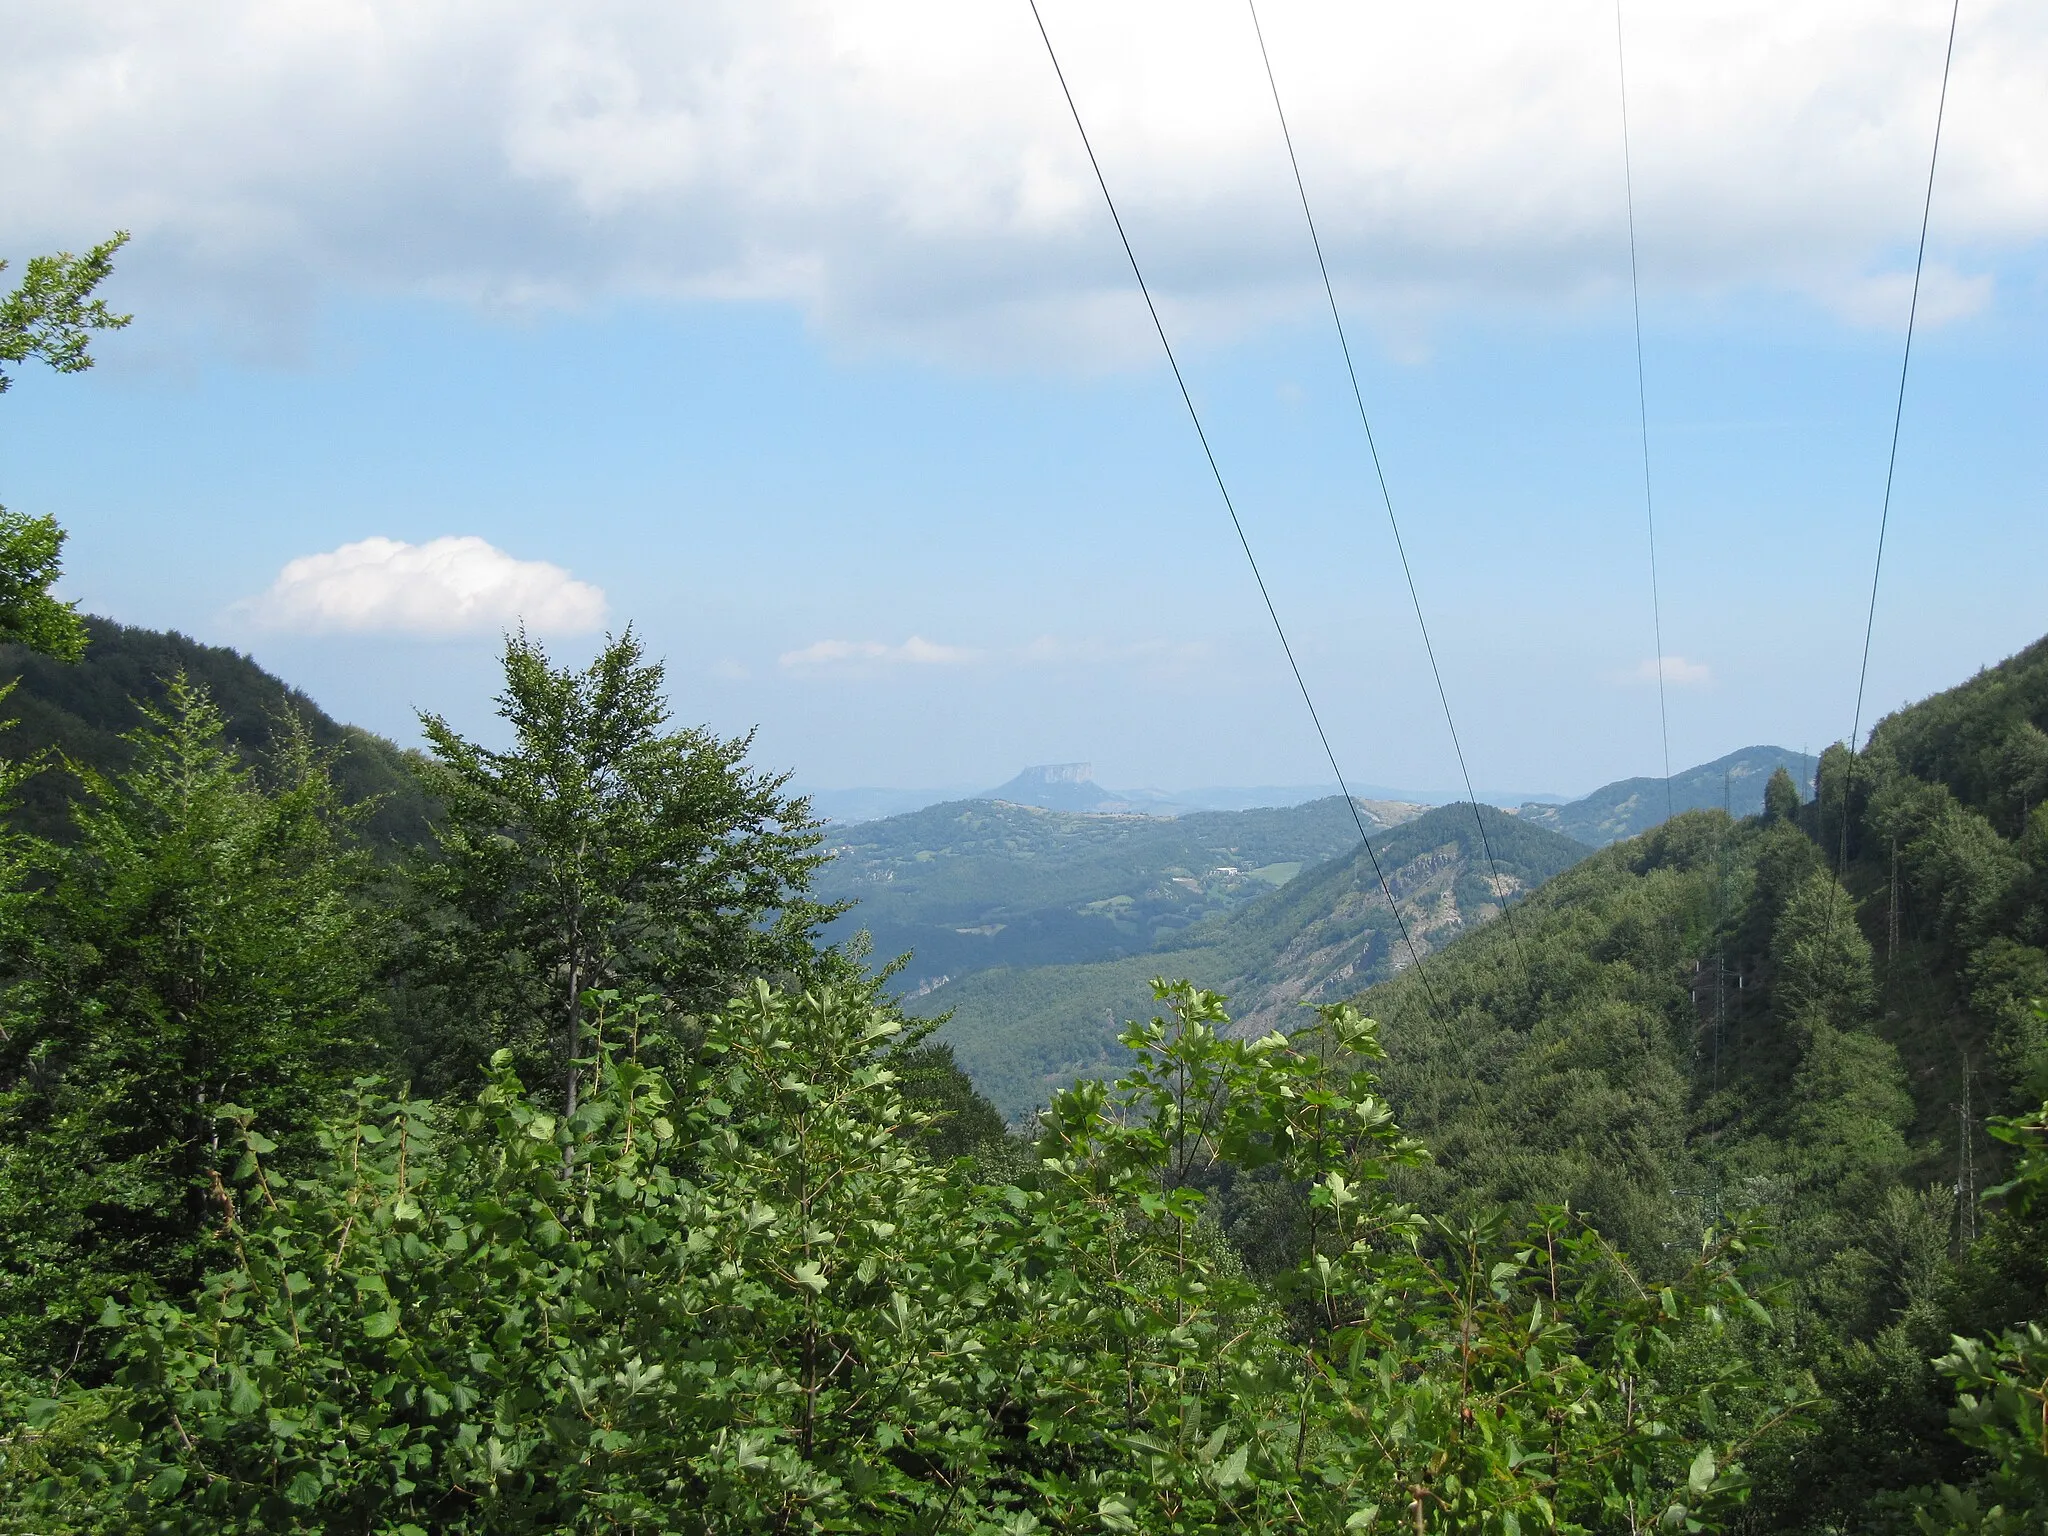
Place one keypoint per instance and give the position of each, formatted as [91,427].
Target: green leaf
[1231,1473]
[1362,1519]
[1701,1477]
[166,1482]
[380,1325]
[810,1275]
[1115,1515]
[245,1399]
[41,1412]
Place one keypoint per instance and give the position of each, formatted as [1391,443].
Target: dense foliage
[736,1296]
[1728,1015]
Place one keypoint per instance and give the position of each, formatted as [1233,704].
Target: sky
[798,337]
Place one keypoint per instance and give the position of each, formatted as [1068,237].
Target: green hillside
[81,709]
[1701,1020]
[1734,783]
[1021,1032]
[979,883]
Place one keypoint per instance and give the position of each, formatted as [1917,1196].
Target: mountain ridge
[1627,807]
[1022,1031]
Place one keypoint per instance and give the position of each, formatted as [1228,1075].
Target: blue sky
[925,527]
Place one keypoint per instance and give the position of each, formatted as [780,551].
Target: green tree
[50,316]
[1822,962]
[598,851]
[1781,797]
[31,560]
[52,313]
[197,942]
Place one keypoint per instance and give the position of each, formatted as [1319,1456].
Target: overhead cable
[1237,524]
[1635,290]
[1891,462]
[1379,470]
[1905,363]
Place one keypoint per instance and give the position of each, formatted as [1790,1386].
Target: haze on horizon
[801,341]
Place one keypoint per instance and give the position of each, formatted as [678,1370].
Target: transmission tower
[1891,951]
[1966,1167]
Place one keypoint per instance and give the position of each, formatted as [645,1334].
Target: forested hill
[1734,783]
[81,709]
[978,883]
[1701,1020]
[1023,1032]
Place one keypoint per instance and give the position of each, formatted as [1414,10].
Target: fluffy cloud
[449,586]
[905,171]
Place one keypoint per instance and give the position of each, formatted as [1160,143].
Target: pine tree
[1781,797]
[198,943]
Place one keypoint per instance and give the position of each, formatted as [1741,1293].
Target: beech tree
[601,850]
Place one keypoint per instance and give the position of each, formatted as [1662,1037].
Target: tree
[31,560]
[53,313]
[1781,797]
[598,851]
[1822,961]
[50,316]
[197,942]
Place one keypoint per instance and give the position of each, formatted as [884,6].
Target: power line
[1892,459]
[1194,416]
[1905,362]
[1379,470]
[1635,291]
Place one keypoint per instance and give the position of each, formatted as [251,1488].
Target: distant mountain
[979,883]
[1072,787]
[869,804]
[82,708]
[1623,809]
[1254,797]
[1023,1031]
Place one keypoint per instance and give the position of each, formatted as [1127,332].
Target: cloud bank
[444,587]
[904,170]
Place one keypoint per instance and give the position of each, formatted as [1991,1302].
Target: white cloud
[1678,672]
[447,586]
[905,171]
[916,651]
